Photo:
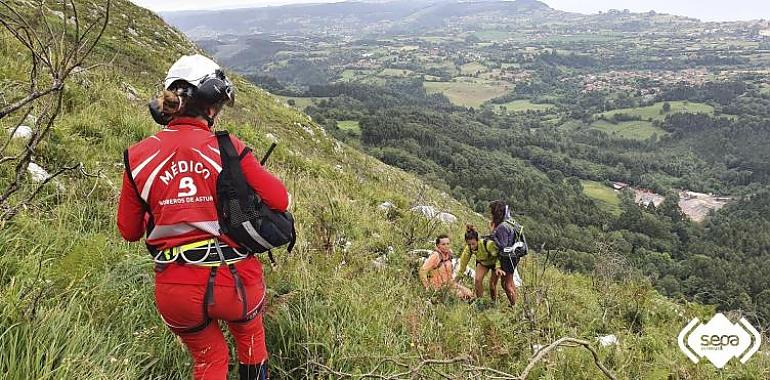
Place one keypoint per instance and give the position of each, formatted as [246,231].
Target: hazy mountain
[357,17]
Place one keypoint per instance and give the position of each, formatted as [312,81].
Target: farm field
[605,196]
[350,126]
[396,73]
[299,102]
[523,105]
[655,111]
[637,129]
[492,35]
[467,93]
[472,68]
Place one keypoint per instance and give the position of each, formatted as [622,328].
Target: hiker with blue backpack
[511,246]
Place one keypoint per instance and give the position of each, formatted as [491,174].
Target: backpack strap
[442,260]
[231,161]
[484,242]
[151,220]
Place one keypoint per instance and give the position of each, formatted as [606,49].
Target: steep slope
[76,301]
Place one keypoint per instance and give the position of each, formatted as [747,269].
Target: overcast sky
[706,10]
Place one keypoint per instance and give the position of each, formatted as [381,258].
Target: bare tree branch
[26,157]
[30,33]
[31,97]
[81,42]
[59,52]
[11,212]
[465,363]
[565,342]
[13,131]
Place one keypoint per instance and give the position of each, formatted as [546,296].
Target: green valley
[403,105]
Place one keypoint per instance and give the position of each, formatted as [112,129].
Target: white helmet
[197,77]
[204,75]
[193,69]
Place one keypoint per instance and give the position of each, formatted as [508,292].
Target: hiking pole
[267,155]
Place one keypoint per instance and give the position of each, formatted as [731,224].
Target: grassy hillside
[636,129]
[656,112]
[606,196]
[76,302]
[467,93]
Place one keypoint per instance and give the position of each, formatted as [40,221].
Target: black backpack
[517,249]
[242,215]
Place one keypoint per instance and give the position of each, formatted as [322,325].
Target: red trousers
[181,307]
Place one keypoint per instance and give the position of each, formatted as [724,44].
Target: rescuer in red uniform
[169,193]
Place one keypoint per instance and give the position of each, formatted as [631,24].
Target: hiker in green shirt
[486,261]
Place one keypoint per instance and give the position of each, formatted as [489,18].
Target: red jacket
[174,174]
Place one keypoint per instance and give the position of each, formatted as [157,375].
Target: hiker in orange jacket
[436,271]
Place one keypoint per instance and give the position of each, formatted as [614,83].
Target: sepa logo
[719,340]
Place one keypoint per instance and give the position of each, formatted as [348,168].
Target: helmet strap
[209,119]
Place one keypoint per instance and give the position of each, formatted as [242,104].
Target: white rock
[380,262]
[132,32]
[307,129]
[431,212]
[446,217]
[131,94]
[22,132]
[427,211]
[469,272]
[271,137]
[608,340]
[37,173]
[385,206]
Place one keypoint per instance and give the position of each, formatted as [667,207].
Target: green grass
[472,68]
[299,102]
[467,94]
[525,105]
[398,73]
[637,130]
[605,196]
[348,75]
[361,76]
[349,125]
[492,35]
[449,66]
[655,111]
